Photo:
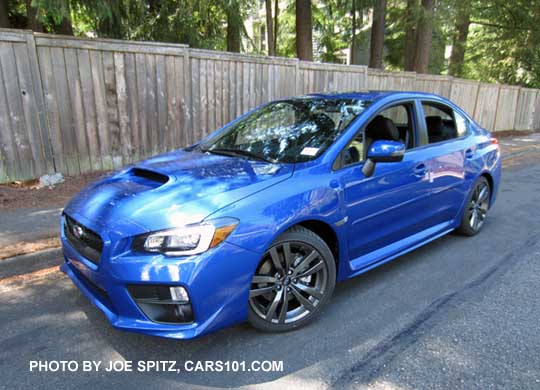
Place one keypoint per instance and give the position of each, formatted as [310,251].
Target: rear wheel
[293,282]
[476,208]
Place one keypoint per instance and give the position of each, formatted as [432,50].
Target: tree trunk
[423,37]
[457,57]
[353,31]
[270,29]
[4,20]
[276,25]
[410,30]
[377,34]
[33,23]
[234,25]
[304,45]
[65,27]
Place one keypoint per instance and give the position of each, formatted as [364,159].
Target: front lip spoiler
[170,331]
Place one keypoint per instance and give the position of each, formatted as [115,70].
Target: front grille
[87,242]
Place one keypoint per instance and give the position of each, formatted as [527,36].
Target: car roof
[371,95]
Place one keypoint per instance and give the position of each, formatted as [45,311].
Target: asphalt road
[457,313]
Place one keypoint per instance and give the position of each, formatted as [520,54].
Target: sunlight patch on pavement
[379,385]
[20,281]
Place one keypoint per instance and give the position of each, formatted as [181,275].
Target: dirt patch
[27,194]
[24,248]
[512,133]
[21,281]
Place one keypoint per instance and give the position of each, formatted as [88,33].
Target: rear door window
[442,123]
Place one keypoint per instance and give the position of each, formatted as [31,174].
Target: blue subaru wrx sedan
[259,220]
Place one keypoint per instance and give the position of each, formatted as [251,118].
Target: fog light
[162,303]
[179,294]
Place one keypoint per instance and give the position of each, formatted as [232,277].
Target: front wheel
[476,208]
[293,282]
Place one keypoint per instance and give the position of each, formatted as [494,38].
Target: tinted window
[288,131]
[399,116]
[440,122]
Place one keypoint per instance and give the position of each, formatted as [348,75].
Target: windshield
[287,131]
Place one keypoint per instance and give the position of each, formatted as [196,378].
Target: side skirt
[399,248]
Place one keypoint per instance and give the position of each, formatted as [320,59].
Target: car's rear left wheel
[293,282]
[476,208]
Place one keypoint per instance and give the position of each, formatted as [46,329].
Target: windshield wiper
[239,152]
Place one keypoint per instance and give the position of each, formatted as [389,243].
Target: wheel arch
[491,184]
[326,232]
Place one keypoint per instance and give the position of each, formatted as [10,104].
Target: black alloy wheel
[476,208]
[294,280]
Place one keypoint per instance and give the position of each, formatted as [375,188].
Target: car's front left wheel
[293,282]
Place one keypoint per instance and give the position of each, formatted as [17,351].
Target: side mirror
[382,151]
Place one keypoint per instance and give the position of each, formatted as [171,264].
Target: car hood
[174,189]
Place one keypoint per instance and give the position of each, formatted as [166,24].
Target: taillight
[494,141]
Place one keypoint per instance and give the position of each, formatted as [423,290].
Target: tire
[293,282]
[476,208]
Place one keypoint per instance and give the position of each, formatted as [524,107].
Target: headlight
[187,240]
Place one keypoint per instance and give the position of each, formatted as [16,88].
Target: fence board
[89,106]
[8,148]
[161,101]
[132,98]
[486,105]
[51,104]
[31,130]
[195,98]
[505,112]
[464,94]
[111,101]
[172,111]
[77,110]
[123,109]
[151,105]
[25,164]
[38,95]
[67,127]
[144,144]
[536,115]
[525,109]
[26,92]
[440,85]
[211,105]
[100,99]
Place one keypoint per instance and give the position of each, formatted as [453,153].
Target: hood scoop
[147,177]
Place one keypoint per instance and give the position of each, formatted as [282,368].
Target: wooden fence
[74,105]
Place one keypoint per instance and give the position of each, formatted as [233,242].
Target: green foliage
[197,23]
[286,40]
[395,35]
[503,43]
[332,25]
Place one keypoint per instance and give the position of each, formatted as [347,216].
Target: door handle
[469,153]
[420,170]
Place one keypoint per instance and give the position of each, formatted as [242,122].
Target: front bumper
[217,282]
